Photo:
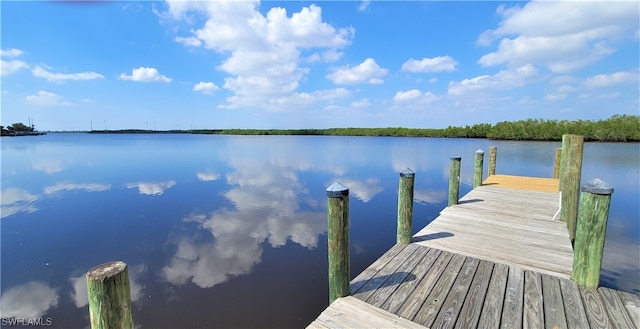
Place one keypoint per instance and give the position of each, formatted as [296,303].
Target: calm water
[230,231]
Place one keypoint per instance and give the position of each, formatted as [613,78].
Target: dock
[499,258]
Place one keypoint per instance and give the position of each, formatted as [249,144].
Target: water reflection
[28,300]
[88,187]
[208,176]
[49,166]
[363,190]
[152,188]
[430,196]
[15,200]
[266,209]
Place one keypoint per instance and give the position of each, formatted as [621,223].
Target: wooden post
[338,240]
[405,206]
[591,232]
[556,163]
[109,296]
[493,153]
[477,169]
[570,172]
[454,180]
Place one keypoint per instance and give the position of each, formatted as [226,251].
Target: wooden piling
[477,169]
[570,172]
[556,163]
[109,296]
[454,180]
[405,206]
[338,240]
[591,232]
[493,153]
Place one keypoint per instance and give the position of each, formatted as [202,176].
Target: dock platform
[498,259]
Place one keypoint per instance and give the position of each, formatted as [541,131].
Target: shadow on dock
[382,281]
[432,236]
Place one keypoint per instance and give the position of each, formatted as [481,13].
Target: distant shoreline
[618,128]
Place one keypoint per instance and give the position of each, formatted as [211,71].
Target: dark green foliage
[618,128]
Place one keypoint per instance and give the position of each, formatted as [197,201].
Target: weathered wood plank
[420,293]
[452,305]
[429,310]
[379,263]
[554,317]
[398,297]
[632,305]
[492,309]
[615,309]
[488,249]
[533,310]
[349,312]
[573,307]
[380,278]
[595,309]
[404,271]
[472,307]
[513,299]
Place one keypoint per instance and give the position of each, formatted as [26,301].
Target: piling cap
[597,186]
[337,190]
[407,172]
[479,151]
[456,157]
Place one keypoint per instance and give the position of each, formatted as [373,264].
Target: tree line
[618,128]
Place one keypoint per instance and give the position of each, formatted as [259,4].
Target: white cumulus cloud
[145,74]
[435,64]
[503,80]
[11,52]
[414,96]
[263,52]
[561,35]
[205,87]
[606,80]
[365,72]
[9,67]
[39,72]
[45,98]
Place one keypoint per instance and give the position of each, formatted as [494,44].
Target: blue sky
[251,64]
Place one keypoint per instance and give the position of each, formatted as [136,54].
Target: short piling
[570,172]
[109,296]
[338,240]
[405,206]
[477,168]
[556,163]
[591,231]
[493,154]
[454,180]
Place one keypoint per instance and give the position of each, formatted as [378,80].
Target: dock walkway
[495,260]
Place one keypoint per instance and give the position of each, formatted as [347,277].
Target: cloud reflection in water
[267,209]
[28,300]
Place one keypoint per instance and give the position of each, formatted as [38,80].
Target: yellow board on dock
[523,183]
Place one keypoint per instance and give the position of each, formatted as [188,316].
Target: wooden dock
[498,259]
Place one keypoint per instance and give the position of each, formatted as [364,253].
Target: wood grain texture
[513,299]
[452,305]
[533,312]
[379,263]
[349,312]
[429,310]
[400,295]
[554,317]
[472,308]
[615,309]
[492,309]
[631,303]
[594,308]
[573,307]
